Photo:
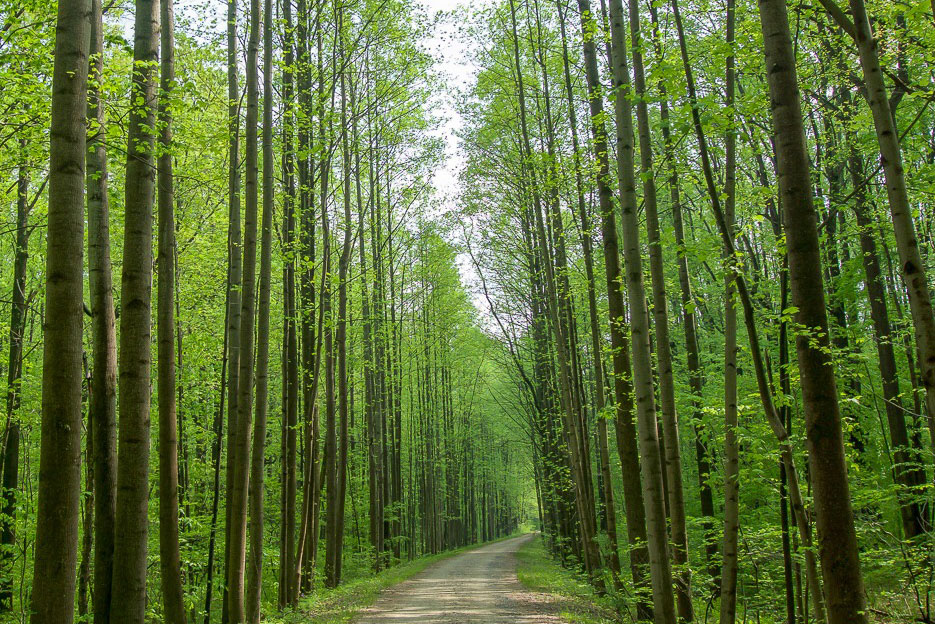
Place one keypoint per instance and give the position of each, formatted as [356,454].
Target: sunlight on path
[479,586]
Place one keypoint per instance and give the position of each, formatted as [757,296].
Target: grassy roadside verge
[575,597]
[342,604]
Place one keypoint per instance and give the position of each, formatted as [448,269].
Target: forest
[300,295]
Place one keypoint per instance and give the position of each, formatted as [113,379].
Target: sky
[452,55]
[453,58]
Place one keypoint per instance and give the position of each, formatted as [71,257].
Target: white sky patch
[454,60]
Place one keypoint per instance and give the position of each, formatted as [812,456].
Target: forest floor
[477,586]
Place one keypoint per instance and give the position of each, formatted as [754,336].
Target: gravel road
[476,587]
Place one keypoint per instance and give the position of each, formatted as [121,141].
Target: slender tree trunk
[837,537]
[290,342]
[625,430]
[218,430]
[731,448]
[649,449]
[239,460]
[235,281]
[672,451]
[596,349]
[169,558]
[341,326]
[583,492]
[906,463]
[912,267]
[131,537]
[103,391]
[11,442]
[257,464]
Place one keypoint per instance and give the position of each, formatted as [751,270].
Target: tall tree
[649,449]
[128,597]
[103,390]
[258,459]
[837,540]
[53,587]
[239,458]
[169,557]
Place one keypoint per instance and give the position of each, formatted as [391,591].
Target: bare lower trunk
[258,465]
[131,537]
[53,588]
[837,537]
[649,449]
[103,391]
[169,558]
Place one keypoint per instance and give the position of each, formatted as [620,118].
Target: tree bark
[128,597]
[649,448]
[103,391]
[239,460]
[837,538]
[53,588]
[169,558]
[235,280]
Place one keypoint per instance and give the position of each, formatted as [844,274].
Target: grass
[342,604]
[576,599]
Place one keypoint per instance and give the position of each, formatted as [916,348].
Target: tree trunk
[625,430]
[912,267]
[290,337]
[235,281]
[11,443]
[169,558]
[837,537]
[103,391]
[53,587]
[239,460]
[671,445]
[131,537]
[906,462]
[649,449]
[257,464]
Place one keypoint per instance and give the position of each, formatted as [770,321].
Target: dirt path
[476,587]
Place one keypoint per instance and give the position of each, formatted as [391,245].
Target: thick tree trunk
[131,537]
[53,586]
[169,558]
[56,552]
